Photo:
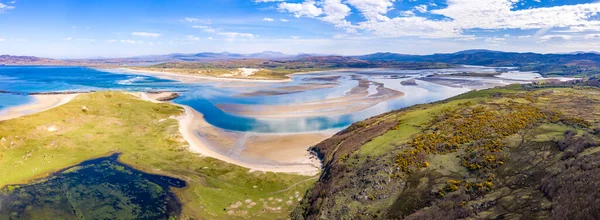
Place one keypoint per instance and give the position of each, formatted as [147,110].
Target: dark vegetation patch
[96,189]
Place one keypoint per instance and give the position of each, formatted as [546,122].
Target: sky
[125,28]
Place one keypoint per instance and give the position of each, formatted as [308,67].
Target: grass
[149,140]
[410,123]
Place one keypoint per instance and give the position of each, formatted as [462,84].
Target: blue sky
[110,28]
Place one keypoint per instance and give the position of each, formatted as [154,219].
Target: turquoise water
[205,96]
[7,100]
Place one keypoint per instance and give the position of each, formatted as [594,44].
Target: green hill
[528,152]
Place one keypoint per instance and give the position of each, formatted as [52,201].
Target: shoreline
[195,78]
[187,78]
[43,102]
[193,118]
[192,121]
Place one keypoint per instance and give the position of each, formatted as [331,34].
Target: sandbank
[41,103]
[357,99]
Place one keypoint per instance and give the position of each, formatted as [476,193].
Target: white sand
[193,120]
[41,103]
[187,78]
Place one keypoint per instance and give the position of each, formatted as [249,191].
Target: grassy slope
[368,182]
[150,141]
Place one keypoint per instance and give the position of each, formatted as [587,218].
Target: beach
[281,153]
[41,103]
[271,153]
[187,78]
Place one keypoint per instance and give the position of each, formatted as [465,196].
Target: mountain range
[576,63]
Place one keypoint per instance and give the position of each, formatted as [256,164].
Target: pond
[101,188]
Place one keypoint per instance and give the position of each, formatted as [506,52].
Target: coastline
[291,159]
[42,103]
[187,78]
[193,119]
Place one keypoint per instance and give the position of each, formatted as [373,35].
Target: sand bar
[41,103]
[357,99]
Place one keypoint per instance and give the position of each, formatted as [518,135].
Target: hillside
[528,152]
[546,64]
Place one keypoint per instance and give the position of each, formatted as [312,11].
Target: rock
[52,128]
[3,139]
[84,108]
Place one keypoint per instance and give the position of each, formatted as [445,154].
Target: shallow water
[205,96]
[101,188]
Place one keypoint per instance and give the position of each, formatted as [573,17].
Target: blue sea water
[205,96]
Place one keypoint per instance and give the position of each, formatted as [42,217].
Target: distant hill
[210,56]
[546,64]
[26,60]
[572,64]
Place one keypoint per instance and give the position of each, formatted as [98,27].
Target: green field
[149,141]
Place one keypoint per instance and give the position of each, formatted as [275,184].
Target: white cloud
[284,20]
[111,41]
[268,19]
[592,37]
[407,13]
[335,12]
[411,26]
[497,14]
[2,39]
[261,1]
[556,37]
[192,38]
[69,38]
[145,34]
[460,15]
[196,20]
[373,10]
[233,35]
[130,42]
[191,19]
[210,30]
[4,7]
[229,35]
[304,9]
[524,36]
[421,8]
[495,40]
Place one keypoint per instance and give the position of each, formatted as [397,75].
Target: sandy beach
[282,153]
[266,153]
[41,103]
[186,78]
